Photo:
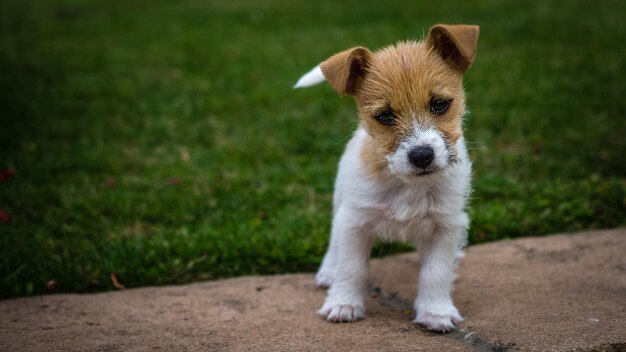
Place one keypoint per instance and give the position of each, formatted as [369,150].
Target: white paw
[342,312]
[323,278]
[439,322]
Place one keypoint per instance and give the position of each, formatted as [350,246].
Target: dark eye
[386,117]
[439,106]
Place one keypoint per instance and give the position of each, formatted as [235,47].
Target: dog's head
[410,98]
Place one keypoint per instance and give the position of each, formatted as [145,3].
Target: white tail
[311,78]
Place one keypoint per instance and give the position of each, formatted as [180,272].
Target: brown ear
[345,71]
[456,44]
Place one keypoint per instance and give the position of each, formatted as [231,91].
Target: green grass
[160,140]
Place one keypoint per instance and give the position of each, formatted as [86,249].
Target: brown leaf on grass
[173,181]
[4,217]
[537,148]
[176,73]
[184,155]
[7,174]
[110,182]
[116,282]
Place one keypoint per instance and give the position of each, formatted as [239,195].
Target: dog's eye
[386,117]
[439,106]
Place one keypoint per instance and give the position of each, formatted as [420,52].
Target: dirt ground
[556,293]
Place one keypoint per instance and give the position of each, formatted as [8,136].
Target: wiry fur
[379,192]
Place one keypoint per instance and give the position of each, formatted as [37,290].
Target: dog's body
[405,174]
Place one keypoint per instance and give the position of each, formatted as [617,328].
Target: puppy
[405,174]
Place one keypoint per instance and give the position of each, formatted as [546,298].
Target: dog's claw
[342,313]
[441,323]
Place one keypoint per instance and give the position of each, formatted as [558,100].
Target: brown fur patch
[405,78]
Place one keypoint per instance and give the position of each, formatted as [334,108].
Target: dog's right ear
[345,71]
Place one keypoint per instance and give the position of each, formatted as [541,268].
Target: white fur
[400,165]
[428,210]
[311,78]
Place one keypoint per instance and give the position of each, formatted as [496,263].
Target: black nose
[421,156]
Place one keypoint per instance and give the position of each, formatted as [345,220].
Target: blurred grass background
[161,140]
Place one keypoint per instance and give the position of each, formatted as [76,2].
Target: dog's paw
[437,322]
[323,279]
[342,313]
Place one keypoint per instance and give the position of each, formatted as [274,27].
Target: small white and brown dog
[405,174]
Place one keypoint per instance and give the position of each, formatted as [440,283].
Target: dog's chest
[410,213]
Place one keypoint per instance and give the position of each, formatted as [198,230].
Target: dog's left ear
[456,44]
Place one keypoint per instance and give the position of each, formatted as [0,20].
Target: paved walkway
[556,293]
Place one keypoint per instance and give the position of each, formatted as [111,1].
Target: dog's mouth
[420,175]
[425,172]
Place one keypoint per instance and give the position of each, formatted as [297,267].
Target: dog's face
[410,99]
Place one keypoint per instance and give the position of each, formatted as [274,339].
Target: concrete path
[556,293]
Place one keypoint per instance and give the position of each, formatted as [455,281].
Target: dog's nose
[421,156]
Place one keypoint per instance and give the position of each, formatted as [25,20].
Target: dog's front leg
[350,249]
[433,305]
[326,273]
